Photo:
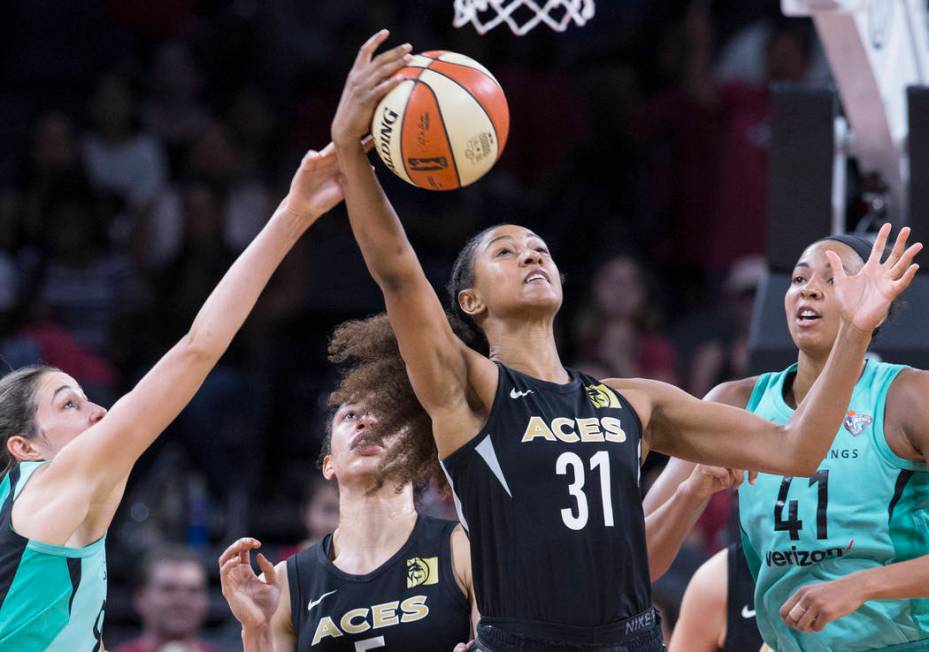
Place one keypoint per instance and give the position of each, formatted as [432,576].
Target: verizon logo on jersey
[794,557]
[572,431]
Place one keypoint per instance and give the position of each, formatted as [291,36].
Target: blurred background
[145,143]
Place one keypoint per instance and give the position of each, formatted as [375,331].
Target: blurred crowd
[145,144]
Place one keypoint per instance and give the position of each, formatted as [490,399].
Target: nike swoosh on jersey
[315,602]
[747,613]
[516,394]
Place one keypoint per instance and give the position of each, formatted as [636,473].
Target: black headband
[860,246]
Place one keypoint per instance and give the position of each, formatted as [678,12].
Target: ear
[471,302]
[328,468]
[23,449]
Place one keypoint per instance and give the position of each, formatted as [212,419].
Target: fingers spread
[879,243]
[267,568]
[838,271]
[369,47]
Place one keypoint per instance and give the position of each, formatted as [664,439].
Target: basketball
[445,125]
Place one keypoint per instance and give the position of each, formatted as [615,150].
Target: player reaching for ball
[387,579]
[68,460]
[841,558]
[544,461]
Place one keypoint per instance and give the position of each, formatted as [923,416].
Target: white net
[522,15]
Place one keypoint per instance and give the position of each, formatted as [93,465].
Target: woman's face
[513,274]
[63,412]
[812,314]
[350,457]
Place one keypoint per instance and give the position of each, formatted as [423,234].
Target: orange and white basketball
[445,125]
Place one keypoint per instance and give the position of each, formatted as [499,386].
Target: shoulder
[905,411]
[461,559]
[710,580]
[733,392]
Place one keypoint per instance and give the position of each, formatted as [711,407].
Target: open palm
[864,298]
[252,599]
[315,188]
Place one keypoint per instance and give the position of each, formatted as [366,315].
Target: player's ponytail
[18,408]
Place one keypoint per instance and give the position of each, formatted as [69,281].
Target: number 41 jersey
[549,493]
[865,508]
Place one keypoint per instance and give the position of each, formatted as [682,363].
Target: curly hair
[375,374]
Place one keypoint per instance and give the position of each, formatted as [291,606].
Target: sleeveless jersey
[549,493]
[411,603]
[741,630]
[51,597]
[865,508]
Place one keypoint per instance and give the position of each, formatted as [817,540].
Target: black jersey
[549,493]
[741,629]
[410,603]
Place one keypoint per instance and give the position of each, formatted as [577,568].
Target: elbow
[196,346]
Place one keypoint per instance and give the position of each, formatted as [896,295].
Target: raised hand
[864,298]
[252,599]
[315,188]
[370,78]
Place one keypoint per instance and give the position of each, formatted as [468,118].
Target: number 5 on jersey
[599,460]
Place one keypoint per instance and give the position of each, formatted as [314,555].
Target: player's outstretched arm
[436,360]
[711,433]
[680,494]
[102,456]
[260,603]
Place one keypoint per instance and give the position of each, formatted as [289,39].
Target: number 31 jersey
[865,508]
[548,491]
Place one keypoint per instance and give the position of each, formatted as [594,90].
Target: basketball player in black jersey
[386,579]
[544,461]
[718,611]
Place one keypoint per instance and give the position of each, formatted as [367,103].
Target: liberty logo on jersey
[856,423]
[602,396]
[422,571]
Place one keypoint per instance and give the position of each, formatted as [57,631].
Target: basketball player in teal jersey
[69,459]
[841,558]
[544,461]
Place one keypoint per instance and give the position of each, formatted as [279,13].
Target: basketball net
[522,15]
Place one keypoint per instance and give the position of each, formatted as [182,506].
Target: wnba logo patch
[856,423]
[422,571]
[602,396]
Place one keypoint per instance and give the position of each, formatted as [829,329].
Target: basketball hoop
[522,15]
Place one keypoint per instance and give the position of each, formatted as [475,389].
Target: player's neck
[809,368]
[372,527]
[528,347]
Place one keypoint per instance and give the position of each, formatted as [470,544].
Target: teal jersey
[51,597]
[864,508]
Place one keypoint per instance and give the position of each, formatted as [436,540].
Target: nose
[530,256]
[366,421]
[98,413]
[811,290]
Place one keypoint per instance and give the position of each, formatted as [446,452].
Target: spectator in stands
[119,157]
[319,513]
[618,331]
[172,600]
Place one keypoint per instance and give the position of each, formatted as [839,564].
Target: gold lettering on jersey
[558,426]
[355,628]
[572,431]
[422,571]
[614,430]
[590,430]
[602,396]
[385,615]
[537,428]
[325,627]
[414,609]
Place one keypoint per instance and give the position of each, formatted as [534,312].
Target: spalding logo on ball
[445,125]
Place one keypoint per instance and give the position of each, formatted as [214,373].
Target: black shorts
[641,633]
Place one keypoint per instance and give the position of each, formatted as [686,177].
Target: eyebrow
[507,235]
